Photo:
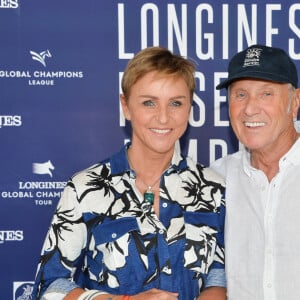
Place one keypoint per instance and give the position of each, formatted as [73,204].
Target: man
[263,179]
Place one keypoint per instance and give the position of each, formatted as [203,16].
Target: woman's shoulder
[115,164]
[205,172]
[93,171]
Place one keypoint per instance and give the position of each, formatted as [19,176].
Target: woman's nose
[162,115]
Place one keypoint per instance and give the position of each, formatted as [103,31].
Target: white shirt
[262,228]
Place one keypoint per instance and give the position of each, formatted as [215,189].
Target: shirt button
[114,235]
[165,205]
[161,231]
[269,285]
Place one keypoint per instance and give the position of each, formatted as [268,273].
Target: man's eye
[240,96]
[265,94]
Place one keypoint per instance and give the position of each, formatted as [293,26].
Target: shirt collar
[119,161]
[246,162]
[292,157]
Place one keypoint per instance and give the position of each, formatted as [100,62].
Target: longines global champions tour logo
[43,168]
[42,191]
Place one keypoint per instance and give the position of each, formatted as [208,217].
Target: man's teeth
[254,124]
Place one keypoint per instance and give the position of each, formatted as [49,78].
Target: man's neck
[268,161]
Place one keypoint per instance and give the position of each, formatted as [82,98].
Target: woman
[147,223]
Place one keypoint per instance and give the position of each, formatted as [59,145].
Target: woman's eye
[176,103]
[148,103]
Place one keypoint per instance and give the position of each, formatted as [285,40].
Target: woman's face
[158,109]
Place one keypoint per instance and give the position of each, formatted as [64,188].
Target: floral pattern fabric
[105,236]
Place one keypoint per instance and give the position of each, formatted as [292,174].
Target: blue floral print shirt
[104,235]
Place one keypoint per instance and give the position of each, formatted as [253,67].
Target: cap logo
[252,57]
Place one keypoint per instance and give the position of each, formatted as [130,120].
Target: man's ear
[125,108]
[296,103]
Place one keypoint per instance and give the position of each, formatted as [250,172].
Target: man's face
[261,113]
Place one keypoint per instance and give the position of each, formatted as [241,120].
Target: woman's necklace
[149,193]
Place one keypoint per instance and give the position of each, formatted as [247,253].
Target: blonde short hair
[161,60]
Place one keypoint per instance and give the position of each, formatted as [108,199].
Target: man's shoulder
[230,158]
[229,161]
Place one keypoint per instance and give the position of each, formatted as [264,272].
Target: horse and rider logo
[43,168]
[41,57]
[23,290]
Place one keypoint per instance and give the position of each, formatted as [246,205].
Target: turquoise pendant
[149,196]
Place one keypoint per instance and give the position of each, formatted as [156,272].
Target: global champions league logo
[47,78]
[44,77]
[41,57]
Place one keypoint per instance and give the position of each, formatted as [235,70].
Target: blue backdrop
[60,67]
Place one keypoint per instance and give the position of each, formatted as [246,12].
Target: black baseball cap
[261,62]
